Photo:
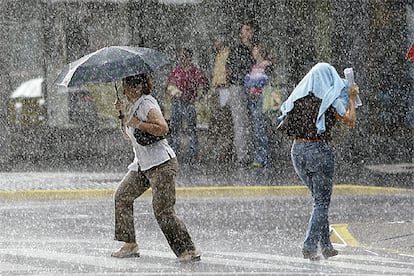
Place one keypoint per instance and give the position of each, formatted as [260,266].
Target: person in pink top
[186,79]
[410,57]
[410,53]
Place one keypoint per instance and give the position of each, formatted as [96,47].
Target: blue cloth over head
[324,82]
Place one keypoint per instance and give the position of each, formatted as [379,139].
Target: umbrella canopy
[110,64]
[29,89]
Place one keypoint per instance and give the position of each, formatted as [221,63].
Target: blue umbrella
[110,64]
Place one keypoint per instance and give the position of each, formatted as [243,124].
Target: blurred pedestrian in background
[258,78]
[155,166]
[220,119]
[410,53]
[319,100]
[219,81]
[239,64]
[183,84]
[410,116]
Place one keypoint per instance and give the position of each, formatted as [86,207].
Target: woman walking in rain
[318,101]
[154,166]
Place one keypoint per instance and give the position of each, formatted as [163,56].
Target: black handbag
[144,138]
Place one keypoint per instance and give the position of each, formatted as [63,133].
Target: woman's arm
[155,124]
[349,118]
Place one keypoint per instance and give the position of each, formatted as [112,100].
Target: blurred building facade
[41,36]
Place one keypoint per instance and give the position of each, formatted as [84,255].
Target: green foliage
[104,95]
[32,114]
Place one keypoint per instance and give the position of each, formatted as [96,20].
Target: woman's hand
[349,118]
[134,122]
[353,92]
[119,106]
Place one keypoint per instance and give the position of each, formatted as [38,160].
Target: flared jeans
[261,147]
[162,181]
[182,110]
[314,164]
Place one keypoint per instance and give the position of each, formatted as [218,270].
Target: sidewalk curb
[203,191]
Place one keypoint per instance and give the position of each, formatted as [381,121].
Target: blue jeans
[182,110]
[261,147]
[314,164]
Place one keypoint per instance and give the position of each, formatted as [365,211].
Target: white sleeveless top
[152,155]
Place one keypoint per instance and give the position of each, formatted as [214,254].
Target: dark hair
[187,52]
[264,51]
[220,37]
[144,79]
[251,23]
[255,28]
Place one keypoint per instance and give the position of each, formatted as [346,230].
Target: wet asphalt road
[245,235]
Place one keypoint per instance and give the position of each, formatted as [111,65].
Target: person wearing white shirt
[155,166]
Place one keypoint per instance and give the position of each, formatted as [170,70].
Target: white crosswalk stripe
[351,262]
[151,262]
[7,267]
[79,259]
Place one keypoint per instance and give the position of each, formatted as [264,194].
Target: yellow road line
[211,191]
[359,189]
[56,194]
[223,191]
[342,236]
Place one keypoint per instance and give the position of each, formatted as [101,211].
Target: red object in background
[410,54]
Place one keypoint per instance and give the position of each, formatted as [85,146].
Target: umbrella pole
[120,116]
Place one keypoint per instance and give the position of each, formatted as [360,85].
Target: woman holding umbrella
[154,166]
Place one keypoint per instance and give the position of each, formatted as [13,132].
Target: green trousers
[162,181]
